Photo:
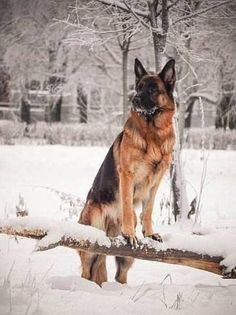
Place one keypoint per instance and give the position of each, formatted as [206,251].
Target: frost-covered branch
[207,96]
[86,238]
[137,16]
[122,6]
[199,12]
[111,53]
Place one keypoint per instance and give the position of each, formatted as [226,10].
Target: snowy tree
[60,41]
[174,28]
[31,45]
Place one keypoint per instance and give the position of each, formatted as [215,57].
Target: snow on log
[174,250]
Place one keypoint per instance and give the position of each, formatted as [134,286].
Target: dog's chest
[146,171]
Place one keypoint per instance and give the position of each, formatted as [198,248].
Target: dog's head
[154,93]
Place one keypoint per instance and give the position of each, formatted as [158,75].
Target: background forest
[72,61]
[66,84]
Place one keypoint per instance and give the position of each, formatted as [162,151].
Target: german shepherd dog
[132,170]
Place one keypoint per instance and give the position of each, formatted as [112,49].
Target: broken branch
[73,235]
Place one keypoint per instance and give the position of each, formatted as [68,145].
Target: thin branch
[84,30]
[197,13]
[122,6]
[168,7]
[137,16]
[199,94]
[114,57]
[172,4]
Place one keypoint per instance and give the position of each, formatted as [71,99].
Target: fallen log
[86,238]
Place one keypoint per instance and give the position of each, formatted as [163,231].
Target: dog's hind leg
[123,265]
[93,267]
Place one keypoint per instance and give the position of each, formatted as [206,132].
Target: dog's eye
[152,89]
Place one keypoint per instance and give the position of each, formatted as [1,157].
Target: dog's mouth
[144,110]
[147,113]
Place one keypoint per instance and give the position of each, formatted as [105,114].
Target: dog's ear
[168,75]
[139,70]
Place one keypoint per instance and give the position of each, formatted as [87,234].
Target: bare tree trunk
[177,176]
[25,110]
[125,83]
[178,185]
[181,204]
[53,111]
[124,41]
[189,112]
[4,84]
[83,105]
[181,120]
[155,36]
[175,191]
[159,39]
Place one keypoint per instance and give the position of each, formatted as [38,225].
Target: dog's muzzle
[141,109]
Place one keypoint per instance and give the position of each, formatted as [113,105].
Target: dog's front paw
[156,237]
[131,239]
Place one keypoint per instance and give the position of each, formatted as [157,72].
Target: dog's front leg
[146,216]
[126,198]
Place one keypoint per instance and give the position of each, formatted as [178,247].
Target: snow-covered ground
[49,282]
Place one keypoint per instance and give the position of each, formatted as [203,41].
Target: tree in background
[30,46]
[96,40]
[109,28]
[83,105]
[173,20]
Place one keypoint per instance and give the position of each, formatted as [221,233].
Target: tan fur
[141,158]
[138,181]
[123,266]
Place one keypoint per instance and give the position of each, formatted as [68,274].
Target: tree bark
[159,38]
[188,119]
[155,36]
[125,82]
[25,110]
[83,105]
[181,207]
[118,247]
